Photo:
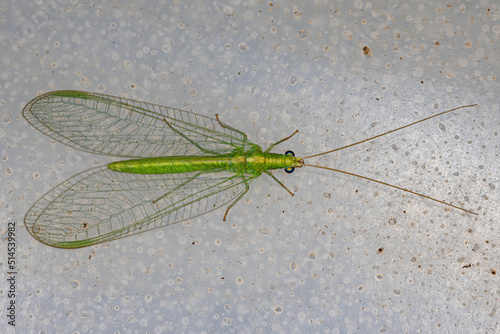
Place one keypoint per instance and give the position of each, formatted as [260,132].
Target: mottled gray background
[343,255]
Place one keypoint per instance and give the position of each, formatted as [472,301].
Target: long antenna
[385,133]
[390,185]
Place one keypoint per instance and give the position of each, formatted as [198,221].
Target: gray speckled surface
[343,255]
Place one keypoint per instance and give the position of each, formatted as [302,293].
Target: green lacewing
[180,165]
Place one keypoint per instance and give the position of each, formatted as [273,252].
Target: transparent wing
[109,125]
[101,205]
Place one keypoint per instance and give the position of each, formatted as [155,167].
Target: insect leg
[279,182]
[247,187]
[176,188]
[230,127]
[188,139]
[245,138]
[279,142]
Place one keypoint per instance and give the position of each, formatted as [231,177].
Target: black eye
[289,169]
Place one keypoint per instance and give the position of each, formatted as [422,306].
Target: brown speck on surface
[367,51]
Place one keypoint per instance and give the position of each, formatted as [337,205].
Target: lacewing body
[178,165]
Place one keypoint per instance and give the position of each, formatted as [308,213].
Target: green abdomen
[171,165]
